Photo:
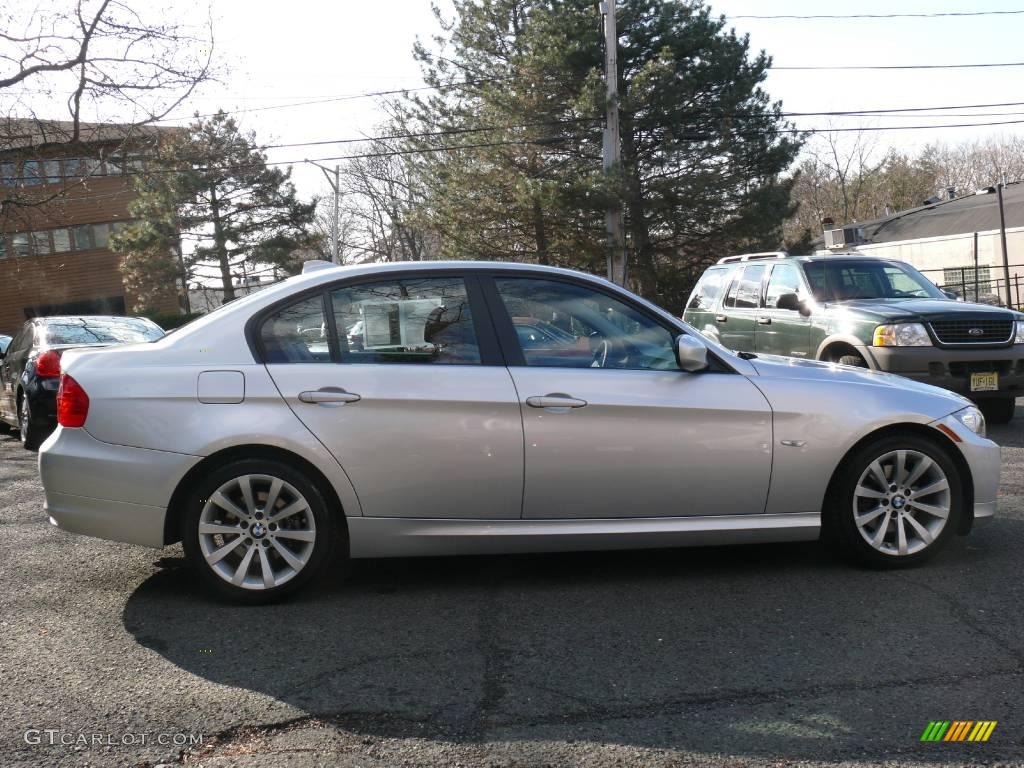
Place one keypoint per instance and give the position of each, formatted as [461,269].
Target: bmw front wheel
[257,530]
[897,501]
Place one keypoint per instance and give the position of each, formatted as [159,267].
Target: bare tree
[68,64]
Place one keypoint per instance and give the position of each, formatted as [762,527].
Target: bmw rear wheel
[31,436]
[897,502]
[257,530]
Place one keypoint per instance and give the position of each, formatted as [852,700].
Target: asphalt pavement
[112,655]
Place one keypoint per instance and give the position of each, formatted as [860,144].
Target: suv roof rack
[754,257]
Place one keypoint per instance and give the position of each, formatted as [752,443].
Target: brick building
[61,201]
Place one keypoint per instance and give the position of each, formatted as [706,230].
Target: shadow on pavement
[763,651]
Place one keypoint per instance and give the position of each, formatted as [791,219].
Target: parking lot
[112,655]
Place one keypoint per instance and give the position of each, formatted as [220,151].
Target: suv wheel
[257,530]
[998,410]
[896,502]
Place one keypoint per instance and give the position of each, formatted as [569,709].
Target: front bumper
[983,459]
[109,491]
[952,368]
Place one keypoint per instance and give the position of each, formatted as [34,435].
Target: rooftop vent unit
[847,237]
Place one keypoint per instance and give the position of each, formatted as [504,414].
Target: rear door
[783,331]
[416,404]
[11,367]
[740,310]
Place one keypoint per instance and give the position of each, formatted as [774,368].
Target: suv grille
[976,331]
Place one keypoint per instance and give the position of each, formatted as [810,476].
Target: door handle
[329,395]
[764,320]
[720,318]
[555,400]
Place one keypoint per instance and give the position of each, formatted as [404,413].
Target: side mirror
[950,294]
[792,302]
[691,355]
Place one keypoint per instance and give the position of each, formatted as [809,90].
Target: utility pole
[612,150]
[335,183]
[1002,237]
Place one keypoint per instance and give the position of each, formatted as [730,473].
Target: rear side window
[745,291]
[707,290]
[416,320]
[297,334]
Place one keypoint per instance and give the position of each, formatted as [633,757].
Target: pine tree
[703,147]
[212,185]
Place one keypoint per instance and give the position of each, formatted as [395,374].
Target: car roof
[729,261]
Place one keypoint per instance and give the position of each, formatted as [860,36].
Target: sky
[309,49]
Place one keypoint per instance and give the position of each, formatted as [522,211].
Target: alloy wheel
[901,502]
[257,532]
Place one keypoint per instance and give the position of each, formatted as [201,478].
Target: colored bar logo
[958,730]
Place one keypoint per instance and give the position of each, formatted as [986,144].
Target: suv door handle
[555,400]
[329,395]
[720,318]
[764,320]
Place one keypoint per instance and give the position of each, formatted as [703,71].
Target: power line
[900,66]
[936,15]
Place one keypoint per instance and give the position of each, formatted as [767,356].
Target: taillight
[72,403]
[48,364]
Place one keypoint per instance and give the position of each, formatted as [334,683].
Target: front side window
[594,330]
[784,279]
[414,320]
[297,334]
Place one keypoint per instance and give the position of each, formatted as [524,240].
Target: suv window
[414,320]
[595,330]
[850,279]
[707,290]
[784,279]
[745,291]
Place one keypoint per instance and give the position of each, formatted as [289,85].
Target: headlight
[971,418]
[901,335]
[1018,337]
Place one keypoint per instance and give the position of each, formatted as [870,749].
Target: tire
[859,507]
[998,410]
[31,435]
[266,564]
[855,360]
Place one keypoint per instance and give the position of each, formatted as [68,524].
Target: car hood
[930,400]
[913,309]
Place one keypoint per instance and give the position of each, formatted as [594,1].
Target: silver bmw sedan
[393,410]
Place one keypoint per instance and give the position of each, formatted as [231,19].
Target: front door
[613,428]
[406,393]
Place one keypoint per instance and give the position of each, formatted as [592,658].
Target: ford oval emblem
[976,331]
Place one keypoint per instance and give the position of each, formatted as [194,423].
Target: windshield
[848,280]
[100,330]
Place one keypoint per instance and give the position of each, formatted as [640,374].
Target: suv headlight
[901,335]
[971,418]
[1018,337]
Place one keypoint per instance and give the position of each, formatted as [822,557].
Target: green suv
[867,311]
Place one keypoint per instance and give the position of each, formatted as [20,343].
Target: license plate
[984,382]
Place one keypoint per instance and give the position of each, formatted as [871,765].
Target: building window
[100,235]
[61,240]
[75,167]
[3,247]
[19,244]
[8,174]
[52,169]
[41,243]
[81,237]
[30,173]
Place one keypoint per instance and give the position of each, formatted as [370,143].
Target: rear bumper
[951,368]
[109,491]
